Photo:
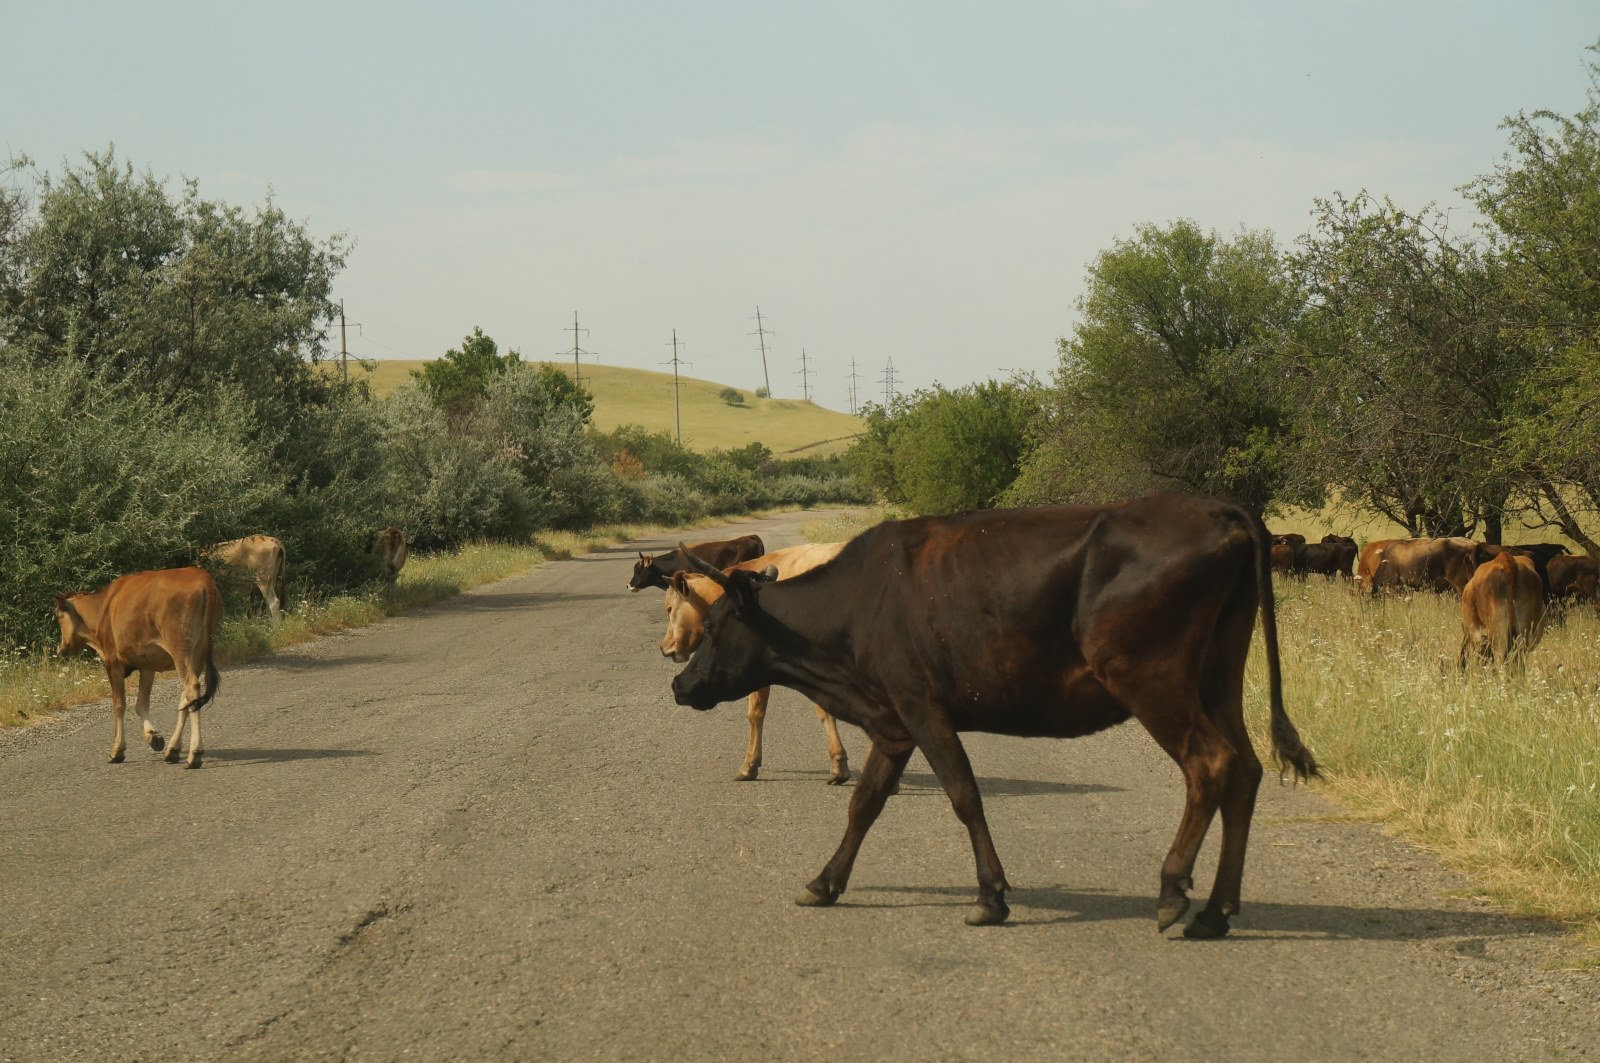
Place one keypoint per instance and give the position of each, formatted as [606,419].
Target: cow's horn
[705,568]
[770,573]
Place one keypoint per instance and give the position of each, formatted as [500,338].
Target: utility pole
[852,385]
[677,411]
[344,363]
[805,376]
[577,375]
[762,331]
[888,385]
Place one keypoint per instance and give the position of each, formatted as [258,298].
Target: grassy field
[1496,771]
[789,427]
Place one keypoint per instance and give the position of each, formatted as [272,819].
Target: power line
[677,412]
[852,385]
[888,383]
[762,331]
[577,375]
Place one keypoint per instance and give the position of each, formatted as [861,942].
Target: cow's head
[642,571]
[74,628]
[730,658]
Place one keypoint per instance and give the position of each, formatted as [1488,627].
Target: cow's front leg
[141,705]
[756,714]
[119,705]
[948,758]
[879,778]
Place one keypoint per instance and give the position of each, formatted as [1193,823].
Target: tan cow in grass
[1502,609]
[689,597]
[389,545]
[150,622]
[262,557]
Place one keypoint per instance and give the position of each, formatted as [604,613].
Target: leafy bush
[732,396]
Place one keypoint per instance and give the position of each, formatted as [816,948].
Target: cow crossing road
[483,831]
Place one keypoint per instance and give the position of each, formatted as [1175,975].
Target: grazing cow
[1370,560]
[1055,621]
[150,622]
[1574,577]
[389,546]
[1283,558]
[1444,564]
[1335,555]
[262,557]
[1502,609]
[657,571]
[691,596]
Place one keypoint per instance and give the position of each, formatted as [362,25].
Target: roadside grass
[847,524]
[36,685]
[1496,771]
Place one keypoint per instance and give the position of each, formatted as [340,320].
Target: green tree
[959,449]
[1543,201]
[1167,380]
[459,382]
[1401,380]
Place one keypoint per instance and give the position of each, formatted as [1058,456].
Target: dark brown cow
[1573,577]
[1054,621]
[657,570]
[1288,539]
[1502,609]
[1283,558]
[1335,555]
[1426,564]
[150,622]
[389,547]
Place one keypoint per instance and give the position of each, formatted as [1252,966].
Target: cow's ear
[742,589]
[680,583]
[61,603]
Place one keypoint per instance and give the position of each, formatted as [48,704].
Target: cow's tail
[1286,744]
[213,616]
[209,691]
[283,598]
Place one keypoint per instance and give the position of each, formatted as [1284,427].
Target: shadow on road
[916,784]
[1260,920]
[288,662]
[272,756]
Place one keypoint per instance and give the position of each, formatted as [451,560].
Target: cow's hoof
[172,754]
[748,776]
[157,743]
[1207,926]
[838,780]
[193,762]
[116,757]
[1170,911]
[815,897]
[990,914]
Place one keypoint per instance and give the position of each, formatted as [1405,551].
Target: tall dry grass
[1496,770]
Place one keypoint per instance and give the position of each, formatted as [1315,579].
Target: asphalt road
[483,831]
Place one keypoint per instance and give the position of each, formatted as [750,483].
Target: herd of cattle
[1041,622]
[1505,590]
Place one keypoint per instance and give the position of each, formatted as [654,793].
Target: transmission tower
[805,376]
[762,331]
[577,376]
[852,385]
[888,383]
[677,412]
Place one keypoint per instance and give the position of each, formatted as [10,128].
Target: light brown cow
[390,547]
[1435,564]
[150,622]
[689,597]
[262,557]
[1502,609]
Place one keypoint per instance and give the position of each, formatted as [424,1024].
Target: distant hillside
[638,396]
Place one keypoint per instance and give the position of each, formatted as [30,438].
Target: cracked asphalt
[483,831]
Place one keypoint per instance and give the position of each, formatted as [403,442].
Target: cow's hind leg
[838,761]
[878,780]
[1238,804]
[141,705]
[756,714]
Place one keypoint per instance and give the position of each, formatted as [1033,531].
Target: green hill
[789,427]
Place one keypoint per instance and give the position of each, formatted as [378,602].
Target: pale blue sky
[925,181]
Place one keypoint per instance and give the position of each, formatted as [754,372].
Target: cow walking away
[150,622]
[1048,622]
[1502,609]
[262,558]
[657,570]
[688,600]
